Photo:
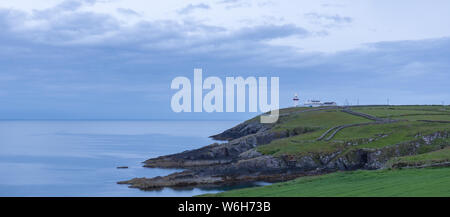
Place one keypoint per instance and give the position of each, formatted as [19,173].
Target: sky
[115,59]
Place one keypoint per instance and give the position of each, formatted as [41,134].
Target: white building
[313,103]
[317,103]
[329,104]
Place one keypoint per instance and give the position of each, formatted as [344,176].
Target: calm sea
[79,158]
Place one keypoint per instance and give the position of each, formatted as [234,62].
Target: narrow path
[336,129]
[310,110]
[434,121]
[364,115]
[349,125]
[324,134]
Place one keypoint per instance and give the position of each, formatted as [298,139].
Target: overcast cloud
[116,59]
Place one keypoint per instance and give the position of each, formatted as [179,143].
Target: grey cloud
[230,4]
[326,5]
[394,59]
[228,1]
[328,20]
[127,11]
[270,32]
[10,19]
[69,5]
[82,41]
[112,72]
[65,6]
[57,27]
[190,8]
[97,30]
[74,27]
[169,38]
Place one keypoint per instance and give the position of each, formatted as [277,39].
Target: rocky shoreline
[237,160]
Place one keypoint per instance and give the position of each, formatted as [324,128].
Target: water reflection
[80,158]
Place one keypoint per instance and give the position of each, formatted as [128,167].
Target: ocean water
[79,158]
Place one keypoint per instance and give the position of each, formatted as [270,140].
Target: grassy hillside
[319,119]
[429,158]
[398,111]
[404,182]
[379,135]
[391,126]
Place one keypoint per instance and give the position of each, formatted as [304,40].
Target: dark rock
[214,154]
[243,129]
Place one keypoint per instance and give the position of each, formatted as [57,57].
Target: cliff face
[362,158]
[247,128]
[238,161]
[213,154]
[228,152]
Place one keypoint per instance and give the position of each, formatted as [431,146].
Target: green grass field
[396,111]
[380,183]
[385,134]
[319,119]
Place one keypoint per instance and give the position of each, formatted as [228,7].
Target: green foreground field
[379,183]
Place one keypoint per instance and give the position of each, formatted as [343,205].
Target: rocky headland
[237,159]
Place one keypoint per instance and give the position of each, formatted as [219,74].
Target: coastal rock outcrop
[220,153]
[251,165]
[247,128]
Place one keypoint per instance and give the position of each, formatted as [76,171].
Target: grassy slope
[320,120]
[438,156]
[396,111]
[403,131]
[396,132]
[405,182]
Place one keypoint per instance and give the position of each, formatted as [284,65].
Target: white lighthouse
[295,100]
